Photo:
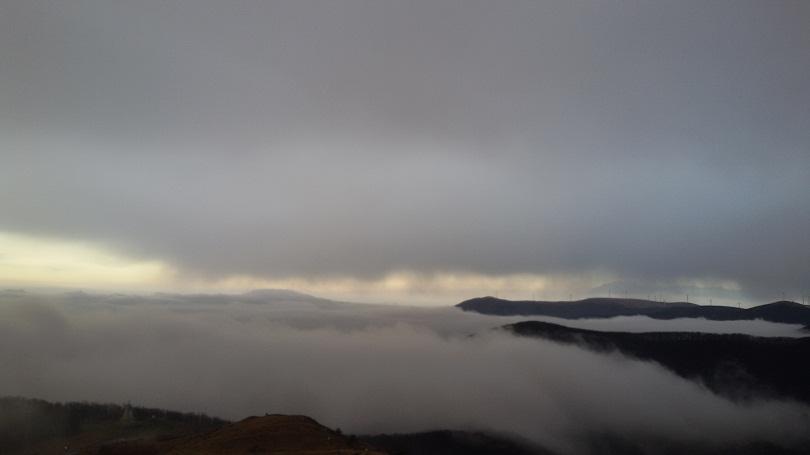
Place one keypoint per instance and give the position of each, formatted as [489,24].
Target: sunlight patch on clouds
[34,261]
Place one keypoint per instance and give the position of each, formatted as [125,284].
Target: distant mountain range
[733,365]
[601,307]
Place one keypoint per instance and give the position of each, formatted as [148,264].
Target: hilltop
[277,434]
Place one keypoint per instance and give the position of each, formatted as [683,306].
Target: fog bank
[363,368]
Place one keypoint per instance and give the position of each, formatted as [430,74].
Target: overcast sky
[411,147]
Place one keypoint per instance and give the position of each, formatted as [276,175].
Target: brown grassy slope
[276,434]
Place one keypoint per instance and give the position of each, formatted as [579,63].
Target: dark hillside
[737,366]
[37,426]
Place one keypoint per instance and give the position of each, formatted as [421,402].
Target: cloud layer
[366,369]
[649,141]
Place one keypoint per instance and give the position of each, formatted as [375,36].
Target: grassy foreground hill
[39,427]
[34,427]
[30,426]
[276,434]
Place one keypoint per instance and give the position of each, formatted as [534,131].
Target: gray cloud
[653,141]
[363,368]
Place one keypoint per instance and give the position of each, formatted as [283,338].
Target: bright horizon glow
[35,261]
[40,262]
[30,261]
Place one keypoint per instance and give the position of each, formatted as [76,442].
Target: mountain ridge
[782,311]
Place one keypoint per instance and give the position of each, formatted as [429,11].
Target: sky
[408,152]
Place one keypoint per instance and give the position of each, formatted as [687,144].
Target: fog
[363,368]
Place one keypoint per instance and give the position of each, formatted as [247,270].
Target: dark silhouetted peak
[781,304]
[782,311]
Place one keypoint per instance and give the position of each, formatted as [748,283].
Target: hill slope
[277,434]
[736,366]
